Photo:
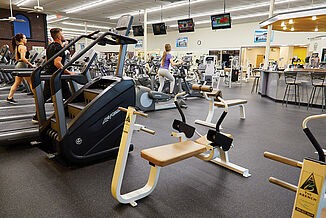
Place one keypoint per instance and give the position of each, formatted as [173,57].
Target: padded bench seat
[168,154]
[231,103]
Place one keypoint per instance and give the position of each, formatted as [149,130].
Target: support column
[269,35]
[145,34]
[85,23]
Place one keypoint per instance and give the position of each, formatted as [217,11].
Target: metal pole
[269,35]
[85,23]
[145,34]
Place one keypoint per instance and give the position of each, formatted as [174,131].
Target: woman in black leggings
[22,54]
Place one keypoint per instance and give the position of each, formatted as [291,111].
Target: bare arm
[22,51]
[174,63]
[58,64]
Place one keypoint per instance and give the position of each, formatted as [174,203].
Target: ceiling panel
[98,15]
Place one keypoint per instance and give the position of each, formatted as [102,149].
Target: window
[22,27]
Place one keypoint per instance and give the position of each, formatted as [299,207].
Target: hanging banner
[261,36]
[182,42]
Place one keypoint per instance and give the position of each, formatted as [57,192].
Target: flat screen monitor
[159,29]
[186,25]
[138,30]
[221,21]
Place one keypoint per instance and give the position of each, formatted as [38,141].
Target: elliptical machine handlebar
[311,137]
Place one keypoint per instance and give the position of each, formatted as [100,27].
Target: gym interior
[162,108]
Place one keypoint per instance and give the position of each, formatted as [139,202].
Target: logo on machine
[310,185]
[110,116]
[78,141]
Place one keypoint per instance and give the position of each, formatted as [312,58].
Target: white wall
[238,36]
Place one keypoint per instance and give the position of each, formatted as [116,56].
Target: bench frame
[120,166]
[211,111]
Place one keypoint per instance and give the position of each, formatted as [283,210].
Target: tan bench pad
[168,154]
[230,103]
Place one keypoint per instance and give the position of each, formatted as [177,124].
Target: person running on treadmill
[52,67]
[21,54]
[164,72]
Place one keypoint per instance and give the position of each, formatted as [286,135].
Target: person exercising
[22,54]
[53,66]
[164,72]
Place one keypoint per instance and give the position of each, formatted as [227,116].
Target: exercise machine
[310,200]
[214,103]
[87,127]
[205,148]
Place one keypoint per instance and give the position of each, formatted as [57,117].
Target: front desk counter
[272,85]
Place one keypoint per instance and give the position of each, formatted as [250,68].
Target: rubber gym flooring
[33,186]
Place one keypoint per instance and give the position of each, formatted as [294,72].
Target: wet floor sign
[310,197]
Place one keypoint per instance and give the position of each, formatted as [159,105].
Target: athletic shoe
[35,120]
[12,101]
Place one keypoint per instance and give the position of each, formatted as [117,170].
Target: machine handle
[305,122]
[283,184]
[148,130]
[93,33]
[202,88]
[135,112]
[179,94]
[282,159]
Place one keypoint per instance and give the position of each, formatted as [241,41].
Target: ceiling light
[284,28]
[283,23]
[292,29]
[314,18]
[174,5]
[61,19]
[316,30]
[70,29]
[291,21]
[155,9]
[87,6]
[83,25]
[22,2]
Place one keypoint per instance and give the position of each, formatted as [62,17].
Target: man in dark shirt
[53,66]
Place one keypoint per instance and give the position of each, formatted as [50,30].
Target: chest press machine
[310,200]
[206,148]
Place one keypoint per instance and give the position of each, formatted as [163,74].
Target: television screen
[221,21]
[159,29]
[186,25]
[138,30]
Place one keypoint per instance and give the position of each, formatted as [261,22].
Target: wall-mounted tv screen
[221,21]
[159,29]
[138,30]
[186,25]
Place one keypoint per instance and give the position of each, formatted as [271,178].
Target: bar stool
[256,83]
[291,80]
[317,81]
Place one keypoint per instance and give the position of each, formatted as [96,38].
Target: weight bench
[214,104]
[158,157]
[169,154]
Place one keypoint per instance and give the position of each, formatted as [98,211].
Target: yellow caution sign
[311,190]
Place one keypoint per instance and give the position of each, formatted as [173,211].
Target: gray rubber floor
[33,186]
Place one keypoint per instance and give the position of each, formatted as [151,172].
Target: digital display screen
[221,21]
[159,29]
[186,25]
[138,30]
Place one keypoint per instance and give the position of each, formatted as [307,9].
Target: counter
[272,85]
